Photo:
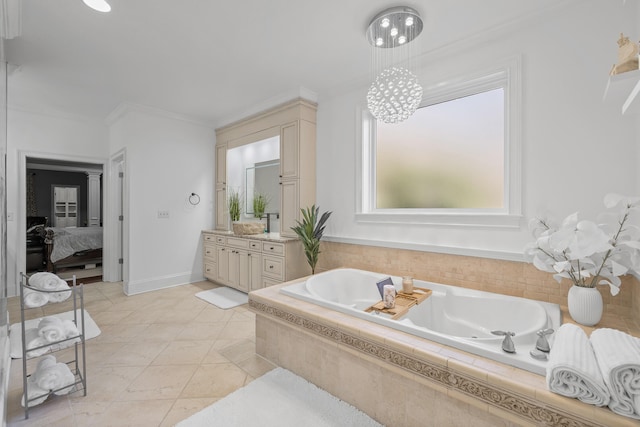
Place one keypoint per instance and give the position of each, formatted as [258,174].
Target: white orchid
[587,253]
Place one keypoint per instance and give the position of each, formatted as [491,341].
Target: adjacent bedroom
[64,218]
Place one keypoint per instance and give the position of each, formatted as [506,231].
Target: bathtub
[453,316]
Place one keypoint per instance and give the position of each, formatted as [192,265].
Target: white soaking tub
[454,316]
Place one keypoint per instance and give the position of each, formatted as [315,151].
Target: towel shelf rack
[77,365]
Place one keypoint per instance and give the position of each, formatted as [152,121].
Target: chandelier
[395,93]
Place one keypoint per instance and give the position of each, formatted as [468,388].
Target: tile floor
[161,357]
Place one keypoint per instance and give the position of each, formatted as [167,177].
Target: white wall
[47,135]
[167,159]
[575,148]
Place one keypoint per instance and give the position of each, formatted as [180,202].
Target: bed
[72,247]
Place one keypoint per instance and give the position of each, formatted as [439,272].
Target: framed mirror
[263,179]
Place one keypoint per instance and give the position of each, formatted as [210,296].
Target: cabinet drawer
[208,237]
[255,245]
[210,270]
[209,251]
[273,267]
[237,243]
[273,248]
[266,282]
[221,240]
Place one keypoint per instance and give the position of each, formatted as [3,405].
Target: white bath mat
[91,330]
[224,297]
[280,399]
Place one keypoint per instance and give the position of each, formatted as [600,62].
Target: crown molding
[128,107]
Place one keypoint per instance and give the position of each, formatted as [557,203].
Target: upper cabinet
[295,124]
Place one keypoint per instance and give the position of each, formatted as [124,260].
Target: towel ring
[194,199]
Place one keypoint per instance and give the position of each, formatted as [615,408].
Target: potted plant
[588,254]
[260,202]
[310,231]
[233,203]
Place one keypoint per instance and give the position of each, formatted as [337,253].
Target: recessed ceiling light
[379,41]
[384,23]
[99,5]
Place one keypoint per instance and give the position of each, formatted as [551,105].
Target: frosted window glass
[449,155]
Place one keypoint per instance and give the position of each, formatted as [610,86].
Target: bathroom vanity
[251,262]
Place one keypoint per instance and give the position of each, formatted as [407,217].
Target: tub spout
[507,343]
[542,344]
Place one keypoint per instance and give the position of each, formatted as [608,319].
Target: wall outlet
[163,214]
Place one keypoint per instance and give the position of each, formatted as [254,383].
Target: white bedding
[69,240]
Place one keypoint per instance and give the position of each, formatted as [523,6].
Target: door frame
[116,244]
[21,215]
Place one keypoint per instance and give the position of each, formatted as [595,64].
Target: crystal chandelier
[395,93]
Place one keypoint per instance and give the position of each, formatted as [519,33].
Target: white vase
[585,305]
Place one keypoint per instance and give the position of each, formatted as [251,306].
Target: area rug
[223,297]
[280,398]
[91,330]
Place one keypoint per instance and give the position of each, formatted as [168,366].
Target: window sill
[444,220]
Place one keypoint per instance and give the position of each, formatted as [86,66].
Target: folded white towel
[34,392]
[54,377]
[572,370]
[52,329]
[45,281]
[34,298]
[66,379]
[70,328]
[618,356]
[33,340]
[63,294]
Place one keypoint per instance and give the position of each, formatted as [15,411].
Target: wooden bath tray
[403,303]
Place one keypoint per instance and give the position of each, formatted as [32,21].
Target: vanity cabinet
[295,124]
[247,263]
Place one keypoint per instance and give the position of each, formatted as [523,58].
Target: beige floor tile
[115,333]
[184,408]
[135,354]
[160,332]
[256,366]
[238,331]
[146,413]
[215,380]
[212,314]
[183,353]
[159,382]
[105,383]
[240,351]
[201,331]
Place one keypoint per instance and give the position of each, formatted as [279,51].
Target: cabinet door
[221,209]
[223,265]
[255,264]
[221,165]
[244,273]
[234,268]
[289,150]
[289,207]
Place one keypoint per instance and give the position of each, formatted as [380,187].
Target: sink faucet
[268,216]
[542,344]
[507,343]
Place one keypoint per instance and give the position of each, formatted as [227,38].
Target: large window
[455,161]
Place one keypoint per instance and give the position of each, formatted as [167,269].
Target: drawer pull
[271,267]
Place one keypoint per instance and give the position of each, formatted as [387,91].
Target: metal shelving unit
[78,364]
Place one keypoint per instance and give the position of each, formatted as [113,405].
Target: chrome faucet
[542,344]
[507,343]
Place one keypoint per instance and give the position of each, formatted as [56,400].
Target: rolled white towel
[33,340]
[65,292]
[572,370]
[45,281]
[70,328]
[618,356]
[66,379]
[34,298]
[34,392]
[54,377]
[52,329]
[44,363]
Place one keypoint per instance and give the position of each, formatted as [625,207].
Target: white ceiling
[213,60]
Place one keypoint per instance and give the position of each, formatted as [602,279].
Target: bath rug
[15,333]
[224,297]
[280,398]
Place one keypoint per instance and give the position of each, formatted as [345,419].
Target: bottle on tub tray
[389,296]
[407,285]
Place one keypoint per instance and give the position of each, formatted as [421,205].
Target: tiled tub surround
[514,278]
[403,380]
[450,315]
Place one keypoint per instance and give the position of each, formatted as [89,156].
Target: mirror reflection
[253,169]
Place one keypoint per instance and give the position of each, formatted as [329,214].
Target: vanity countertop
[270,237]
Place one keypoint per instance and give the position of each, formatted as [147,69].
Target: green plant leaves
[310,231]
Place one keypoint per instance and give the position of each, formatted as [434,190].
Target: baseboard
[5,365]
[134,287]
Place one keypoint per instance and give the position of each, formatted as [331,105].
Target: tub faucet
[542,344]
[507,343]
